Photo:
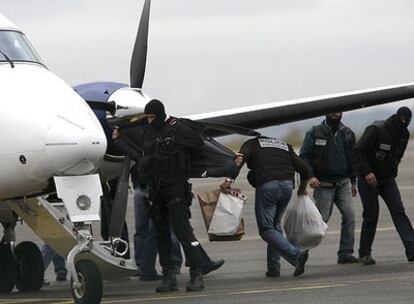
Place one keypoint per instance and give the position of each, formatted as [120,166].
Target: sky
[205,56]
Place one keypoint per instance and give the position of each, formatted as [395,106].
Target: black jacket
[329,155]
[163,154]
[380,149]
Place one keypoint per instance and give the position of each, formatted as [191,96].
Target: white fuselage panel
[46,130]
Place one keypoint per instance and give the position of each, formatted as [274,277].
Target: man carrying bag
[273,164]
[303,224]
[222,214]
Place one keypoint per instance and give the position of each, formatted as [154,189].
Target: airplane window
[17,48]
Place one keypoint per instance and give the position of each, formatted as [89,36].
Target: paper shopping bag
[208,201]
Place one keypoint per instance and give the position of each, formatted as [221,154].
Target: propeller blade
[219,129]
[104,106]
[139,54]
[119,204]
[109,106]
[127,121]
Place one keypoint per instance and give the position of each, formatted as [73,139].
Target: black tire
[90,277]
[30,272]
[7,268]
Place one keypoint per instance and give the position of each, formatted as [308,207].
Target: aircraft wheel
[7,268]
[30,270]
[89,276]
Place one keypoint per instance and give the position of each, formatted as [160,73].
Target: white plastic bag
[228,214]
[303,224]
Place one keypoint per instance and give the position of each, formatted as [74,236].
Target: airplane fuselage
[46,128]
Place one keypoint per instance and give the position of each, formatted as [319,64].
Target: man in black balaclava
[402,120]
[165,168]
[333,121]
[376,158]
[155,112]
[327,149]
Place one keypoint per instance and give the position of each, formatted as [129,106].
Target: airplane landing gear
[89,289]
[7,268]
[86,280]
[30,270]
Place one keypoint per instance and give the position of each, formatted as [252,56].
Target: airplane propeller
[120,201]
[136,73]
[139,54]
[110,106]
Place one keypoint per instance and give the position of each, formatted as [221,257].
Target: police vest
[385,155]
[270,154]
[324,140]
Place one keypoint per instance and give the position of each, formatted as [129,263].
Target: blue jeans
[145,239]
[341,196]
[50,255]
[271,201]
[388,190]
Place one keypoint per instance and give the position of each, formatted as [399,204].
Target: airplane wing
[276,113]
[243,120]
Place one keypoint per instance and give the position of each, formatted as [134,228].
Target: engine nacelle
[129,101]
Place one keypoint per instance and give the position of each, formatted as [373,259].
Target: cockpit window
[17,48]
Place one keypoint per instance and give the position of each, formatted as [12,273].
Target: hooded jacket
[380,149]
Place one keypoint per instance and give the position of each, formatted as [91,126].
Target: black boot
[169,282]
[196,280]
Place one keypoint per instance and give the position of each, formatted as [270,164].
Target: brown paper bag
[208,201]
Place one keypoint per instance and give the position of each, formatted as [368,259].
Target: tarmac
[242,278]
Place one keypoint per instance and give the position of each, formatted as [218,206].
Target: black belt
[334,184]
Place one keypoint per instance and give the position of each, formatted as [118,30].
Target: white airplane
[55,146]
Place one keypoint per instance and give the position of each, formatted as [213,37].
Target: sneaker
[300,266]
[153,277]
[348,259]
[211,266]
[60,277]
[410,258]
[367,260]
[273,273]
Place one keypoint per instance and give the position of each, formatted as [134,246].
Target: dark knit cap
[404,111]
[155,107]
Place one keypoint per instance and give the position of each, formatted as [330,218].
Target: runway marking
[21,301]
[228,293]
[267,289]
[381,279]
[316,286]
[300,288]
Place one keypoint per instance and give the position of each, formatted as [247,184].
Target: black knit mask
[333,121]
[156,107]
[405,113]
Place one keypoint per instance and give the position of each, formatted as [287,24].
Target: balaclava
[333,122]
[156,108]
[402,112]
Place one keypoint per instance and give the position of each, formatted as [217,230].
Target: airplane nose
[75,145]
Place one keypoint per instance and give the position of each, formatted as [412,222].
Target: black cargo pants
[171,203]
[388,190]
